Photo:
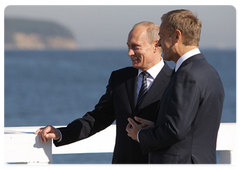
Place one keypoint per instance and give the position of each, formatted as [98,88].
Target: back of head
[186,22]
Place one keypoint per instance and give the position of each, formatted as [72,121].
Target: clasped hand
[133,128]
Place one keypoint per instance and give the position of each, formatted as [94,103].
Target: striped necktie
[143,89]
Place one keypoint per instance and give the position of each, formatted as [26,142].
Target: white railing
[21,145]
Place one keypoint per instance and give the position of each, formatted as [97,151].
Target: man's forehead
[162,26]
[137,33]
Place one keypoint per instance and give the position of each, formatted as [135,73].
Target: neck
[184,50]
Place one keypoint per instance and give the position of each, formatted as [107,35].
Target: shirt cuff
[60,136]
[138,136]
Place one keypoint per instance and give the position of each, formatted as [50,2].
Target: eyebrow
[133,44]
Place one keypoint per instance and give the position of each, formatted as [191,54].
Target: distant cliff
[26,34]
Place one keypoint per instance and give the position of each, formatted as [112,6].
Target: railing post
[226,143]
[22,146]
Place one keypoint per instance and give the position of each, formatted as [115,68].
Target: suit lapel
[157,87]
[131,86]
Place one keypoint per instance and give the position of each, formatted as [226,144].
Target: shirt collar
[153,71]
[185,57]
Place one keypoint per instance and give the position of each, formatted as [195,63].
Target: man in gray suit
[191,107]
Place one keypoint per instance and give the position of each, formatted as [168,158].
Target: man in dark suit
[191,107]
[120,100]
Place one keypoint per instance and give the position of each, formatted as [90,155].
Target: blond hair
[186,22]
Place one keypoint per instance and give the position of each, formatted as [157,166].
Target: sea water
[56,87]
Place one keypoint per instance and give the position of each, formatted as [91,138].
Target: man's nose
[130,52]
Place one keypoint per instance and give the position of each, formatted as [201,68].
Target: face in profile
[140,50]
[166,42]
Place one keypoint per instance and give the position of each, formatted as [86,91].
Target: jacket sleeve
[92,122]
[177,112]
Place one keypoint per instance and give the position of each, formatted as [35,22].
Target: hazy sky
[108,26]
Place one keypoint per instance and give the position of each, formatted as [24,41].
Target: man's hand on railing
[48,132]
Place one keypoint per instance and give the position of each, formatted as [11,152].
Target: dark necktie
[143,89]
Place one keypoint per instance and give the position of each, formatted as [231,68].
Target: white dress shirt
[185,57]
[153,71]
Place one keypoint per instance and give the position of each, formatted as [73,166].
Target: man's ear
[156,46]
[178,35]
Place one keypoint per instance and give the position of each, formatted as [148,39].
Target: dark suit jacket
[188,117]
[118,103]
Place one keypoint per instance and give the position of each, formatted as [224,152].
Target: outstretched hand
[133,128]
[48,132]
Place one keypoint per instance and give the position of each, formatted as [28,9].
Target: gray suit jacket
[188,118]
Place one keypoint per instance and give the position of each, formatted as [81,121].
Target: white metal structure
[21,145]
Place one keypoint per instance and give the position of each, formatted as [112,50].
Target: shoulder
[122,75]
[197,66]
[127,71]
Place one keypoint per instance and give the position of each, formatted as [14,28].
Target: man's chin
[135,64]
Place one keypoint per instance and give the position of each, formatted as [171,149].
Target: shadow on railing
[21,145]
